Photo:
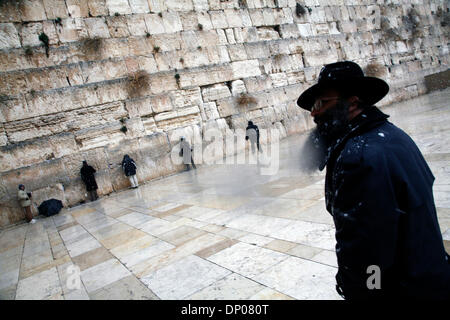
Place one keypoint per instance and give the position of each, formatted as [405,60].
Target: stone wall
[75,73]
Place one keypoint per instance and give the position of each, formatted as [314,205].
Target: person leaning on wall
[25,202]
[87,175]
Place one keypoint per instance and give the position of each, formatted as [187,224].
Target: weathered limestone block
[54,191]
[118,6]
[163,82]
[166,42]
[305,29]
[154,24]
[189,20]
[234,18]
[244,69]
[100,136]
[207,38]
[179,5]
[117,26]
[135,128]
[156,5]
[180,118]
[139,6]
[256,17]
[218,54]
[295,77]
[139,107]
[97,28]
[149,125]
[205,76]
[279,79]
[110,92]
[257,50]
[230,36]
[32,10]
[137,25]
[9,11]
[218,20]
[256,84]
[238,87]
[171,22]
[221,36]
[78,8]
[204,19]
[269,17]
[215,92]
[209,111]
[98,8]
[246,34]
[70,30]
[56,100]
[63,122]
[186,98]
[31,152]
[189,40]
[160,103]
[30,34]
[267,34]
[289,31]
[9,37]
[201,5]
[237,52]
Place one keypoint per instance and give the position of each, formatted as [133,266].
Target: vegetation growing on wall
[138,83]
[44,39]
[245,99]
[92,47]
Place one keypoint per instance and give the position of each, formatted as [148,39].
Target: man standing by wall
[378,189]
[25,201]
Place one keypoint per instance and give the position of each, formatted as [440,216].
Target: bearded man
[378,188]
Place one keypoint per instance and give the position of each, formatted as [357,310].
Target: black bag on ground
[50,207]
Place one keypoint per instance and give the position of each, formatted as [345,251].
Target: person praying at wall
[186,153]
[252,133]
[87,175]
[25,202]
[129,167]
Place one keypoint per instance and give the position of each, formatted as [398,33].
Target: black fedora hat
[348,75]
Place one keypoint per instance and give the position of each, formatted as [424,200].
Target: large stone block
[9,11]
[215,92]
[205,76]
[54,191]
[218,20]
[30,34]
[204,19]
[156,5]
[9,37]
[98,8]
[118,6]
[139,6]
[137,25]
[171,22]
[78,8]
[154,24]
[234,18]
[97,28]
[179,5]
[244,69]
[139,107]
[117,26]
[32,10]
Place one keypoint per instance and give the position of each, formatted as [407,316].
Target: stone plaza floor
[219,232]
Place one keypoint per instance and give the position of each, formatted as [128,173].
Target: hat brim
[369,89]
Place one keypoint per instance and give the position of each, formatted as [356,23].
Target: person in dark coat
[186,153]
[378,188]
[129,167]
[252,133]
[87,175]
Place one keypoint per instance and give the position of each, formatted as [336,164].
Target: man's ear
[353,103]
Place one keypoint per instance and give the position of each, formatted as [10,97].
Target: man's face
[331,115]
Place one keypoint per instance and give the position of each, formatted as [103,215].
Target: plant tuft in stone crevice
[138,83]
[44,39]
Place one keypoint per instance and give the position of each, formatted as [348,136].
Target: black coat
[379,191]
[87,175]
[129,167]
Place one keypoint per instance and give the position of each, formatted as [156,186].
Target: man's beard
[332,125]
